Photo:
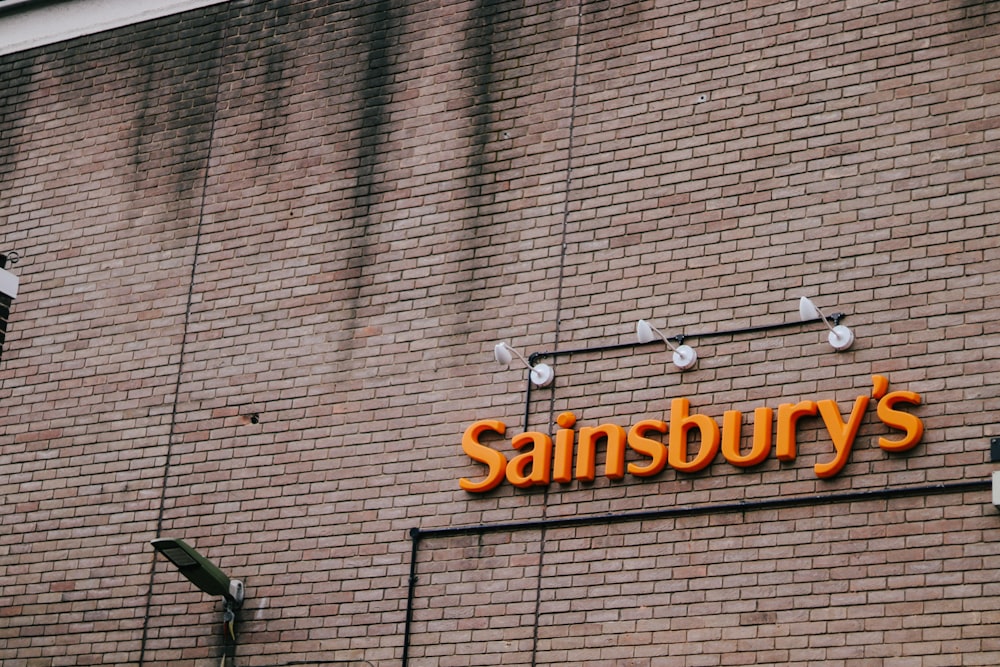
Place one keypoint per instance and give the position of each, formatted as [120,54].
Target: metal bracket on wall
[994,450]
[10,256]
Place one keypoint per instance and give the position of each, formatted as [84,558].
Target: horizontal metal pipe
[680,338]
[697,510]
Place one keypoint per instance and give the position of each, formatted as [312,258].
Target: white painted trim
[8,283]
[48,23]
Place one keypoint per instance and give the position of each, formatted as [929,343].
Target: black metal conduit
[418,535]
[535,357]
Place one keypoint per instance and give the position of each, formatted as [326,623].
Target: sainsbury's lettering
[541,462]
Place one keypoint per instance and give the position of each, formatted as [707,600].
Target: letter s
[903,421]
[477,451]
[654,449]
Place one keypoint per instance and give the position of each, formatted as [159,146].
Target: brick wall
[324,215]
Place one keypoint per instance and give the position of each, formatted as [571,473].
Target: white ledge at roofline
[26,24]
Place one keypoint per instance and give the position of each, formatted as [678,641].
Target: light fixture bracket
[541,374]
[840,337]
[10,256]
[684,356]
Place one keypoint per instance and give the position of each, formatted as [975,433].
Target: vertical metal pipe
[527,404]
[414,548]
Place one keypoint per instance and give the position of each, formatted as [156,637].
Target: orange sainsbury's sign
[547,461]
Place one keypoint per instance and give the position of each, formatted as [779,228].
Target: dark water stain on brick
[175,88]
[479,49]
[375,22]
[374,100]
[266,75]
[17,73]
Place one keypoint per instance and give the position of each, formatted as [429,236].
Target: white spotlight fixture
[684,355]
[541,374]
[840,337]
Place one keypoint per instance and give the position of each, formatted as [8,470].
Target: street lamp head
[199,570]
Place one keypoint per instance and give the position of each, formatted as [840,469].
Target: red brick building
[265,251]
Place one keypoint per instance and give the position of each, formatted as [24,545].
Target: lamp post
[206,576]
